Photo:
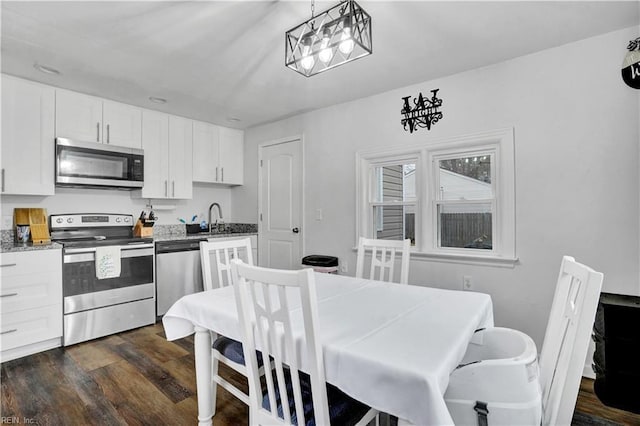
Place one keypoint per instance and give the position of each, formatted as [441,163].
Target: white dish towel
[107,262]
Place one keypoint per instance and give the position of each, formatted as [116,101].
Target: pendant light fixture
[334,37]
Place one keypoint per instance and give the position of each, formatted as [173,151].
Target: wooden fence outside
[462,229]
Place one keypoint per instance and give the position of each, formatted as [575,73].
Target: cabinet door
[206,139]
[231,156]
[122,124]
[30,279]
[180,157]
[28,146]
[155,142]
[78,116]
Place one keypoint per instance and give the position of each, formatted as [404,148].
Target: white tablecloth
[390,346]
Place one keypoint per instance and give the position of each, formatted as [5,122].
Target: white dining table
[390,346]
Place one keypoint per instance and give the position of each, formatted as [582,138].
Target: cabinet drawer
[22,292]
[22,263]
[30,326]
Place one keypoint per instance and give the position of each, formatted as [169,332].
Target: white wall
[75,200]
[577,183]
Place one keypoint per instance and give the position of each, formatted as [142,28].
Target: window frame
[375,173]
[436,200]
[499,143]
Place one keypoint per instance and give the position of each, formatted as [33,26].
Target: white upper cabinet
[181,157]
[155,143]
[206,142]
[28,148]
[167,142]
[122,124]
[217,154]
[88,118]
[231,156]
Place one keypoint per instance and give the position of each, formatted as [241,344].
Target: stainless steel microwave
[93,164]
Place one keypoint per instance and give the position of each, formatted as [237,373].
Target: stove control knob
[59,220]
[118,219]
[127,219]
[70,220]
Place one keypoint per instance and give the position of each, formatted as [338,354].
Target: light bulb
[346,43]
[307,61]
[326,53]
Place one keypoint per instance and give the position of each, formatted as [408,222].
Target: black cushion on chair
[343,410]
[232,349]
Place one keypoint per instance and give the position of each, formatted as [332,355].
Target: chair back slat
[269,324]
[383,259]
[567,339]
[223,251]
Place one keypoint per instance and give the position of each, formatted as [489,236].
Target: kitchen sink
[194,228]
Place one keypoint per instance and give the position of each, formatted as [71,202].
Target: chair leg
[214,385]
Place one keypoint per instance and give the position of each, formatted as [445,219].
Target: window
[464,204]
[453,198]
[393,200]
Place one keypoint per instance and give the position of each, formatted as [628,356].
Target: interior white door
[281,230]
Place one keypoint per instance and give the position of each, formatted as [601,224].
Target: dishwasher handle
[177,246]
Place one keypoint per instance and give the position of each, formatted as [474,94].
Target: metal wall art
[423,113]
[631,65]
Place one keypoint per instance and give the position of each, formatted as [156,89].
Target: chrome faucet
[219,213]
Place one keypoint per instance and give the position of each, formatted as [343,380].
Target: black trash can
[321,263]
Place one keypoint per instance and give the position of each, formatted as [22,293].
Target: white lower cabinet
[30,302]
[30,326]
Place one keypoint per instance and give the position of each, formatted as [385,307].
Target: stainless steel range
[96,307]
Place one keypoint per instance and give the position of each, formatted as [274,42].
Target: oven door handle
[122,248]
[88,255]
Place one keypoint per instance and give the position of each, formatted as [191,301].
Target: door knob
[295,230]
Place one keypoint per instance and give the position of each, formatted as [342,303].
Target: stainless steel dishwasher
[178,272]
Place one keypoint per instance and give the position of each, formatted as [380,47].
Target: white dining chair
[383,255]
[263,297]
[489,373]
[216,259]
[566,340]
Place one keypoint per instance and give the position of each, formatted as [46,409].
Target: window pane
[466,178]
[465,225]
[394,183]
[395,222]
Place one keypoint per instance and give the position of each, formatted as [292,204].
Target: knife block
[37,221]
[143,229]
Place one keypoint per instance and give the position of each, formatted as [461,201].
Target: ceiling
[223,60]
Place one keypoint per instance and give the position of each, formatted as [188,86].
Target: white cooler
[497,382]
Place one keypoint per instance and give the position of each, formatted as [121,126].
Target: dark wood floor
[138,378]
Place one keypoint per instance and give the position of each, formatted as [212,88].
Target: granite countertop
[12,247]
[200,236]
[162,233]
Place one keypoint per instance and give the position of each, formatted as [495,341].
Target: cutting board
[36,218]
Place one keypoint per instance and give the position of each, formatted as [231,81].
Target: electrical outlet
[467,283]
[318,214]
[344,267]
[7,222]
